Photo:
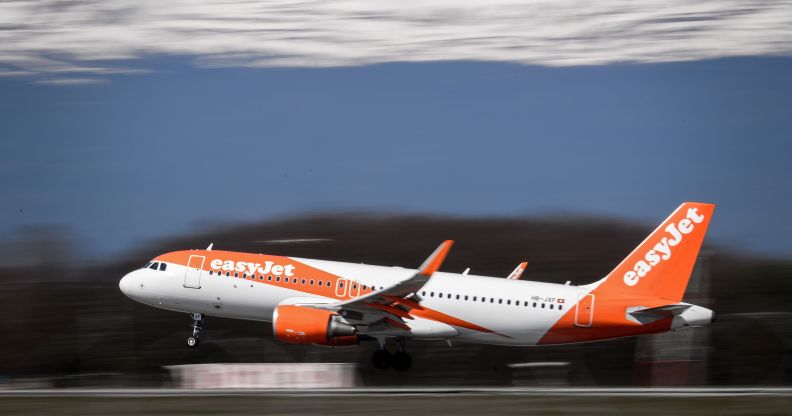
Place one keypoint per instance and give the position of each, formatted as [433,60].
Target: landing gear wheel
[381,359]
[197,324]
[401,361]
[193,342]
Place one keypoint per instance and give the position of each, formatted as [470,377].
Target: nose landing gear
[197,324]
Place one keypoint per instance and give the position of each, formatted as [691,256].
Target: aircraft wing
[391,304]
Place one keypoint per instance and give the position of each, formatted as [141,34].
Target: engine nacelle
[301,325]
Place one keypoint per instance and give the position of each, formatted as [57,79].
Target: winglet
[517,273]
[436,259]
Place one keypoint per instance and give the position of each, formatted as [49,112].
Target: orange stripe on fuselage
[294,280]
[448,319]
[609,321]
[302,272]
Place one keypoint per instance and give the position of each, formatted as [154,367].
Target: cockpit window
[162,267]
[147,265]
[154,266]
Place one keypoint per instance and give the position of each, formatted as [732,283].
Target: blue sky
[180,147]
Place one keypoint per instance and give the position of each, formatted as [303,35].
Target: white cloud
[48,36]
[71,81]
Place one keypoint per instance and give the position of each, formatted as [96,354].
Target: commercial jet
[338,304]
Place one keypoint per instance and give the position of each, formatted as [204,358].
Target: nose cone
[127,284]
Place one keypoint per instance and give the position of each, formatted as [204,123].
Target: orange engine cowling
[301,325]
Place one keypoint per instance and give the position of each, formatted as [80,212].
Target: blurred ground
[399,404]
[66,324]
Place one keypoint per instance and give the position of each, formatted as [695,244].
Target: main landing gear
[383,359]
[197,324]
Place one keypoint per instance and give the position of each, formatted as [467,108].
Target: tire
[193,342]
[381,359]
[401,361]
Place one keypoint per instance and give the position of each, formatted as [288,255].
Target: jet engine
[301,325]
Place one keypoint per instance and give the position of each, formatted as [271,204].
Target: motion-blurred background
[555,132]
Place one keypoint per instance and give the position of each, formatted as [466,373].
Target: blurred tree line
[67,321]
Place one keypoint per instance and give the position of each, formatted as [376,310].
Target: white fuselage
[515,312]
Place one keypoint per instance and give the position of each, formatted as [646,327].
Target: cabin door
[192,276]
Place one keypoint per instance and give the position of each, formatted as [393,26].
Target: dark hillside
[71,322]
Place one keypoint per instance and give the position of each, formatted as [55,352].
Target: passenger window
[448,296]
[551,306]
[534,304]
[261,277]
[500,301]
[492,300]
[285,280]
[341,285]
[508,302]
[269,278]
[277,278]
[543,305]
[312,282]
[228,274]
[236,274]
[457,297]
[302,281]
[560,307]
[466,297]
[431,294]
[423,293]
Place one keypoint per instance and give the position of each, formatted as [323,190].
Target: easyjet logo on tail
[662,251]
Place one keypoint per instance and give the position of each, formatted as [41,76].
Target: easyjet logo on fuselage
[662,250]
[268,267]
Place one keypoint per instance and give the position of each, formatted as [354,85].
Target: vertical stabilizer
[661,265]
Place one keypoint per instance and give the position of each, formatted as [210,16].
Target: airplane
[333,303]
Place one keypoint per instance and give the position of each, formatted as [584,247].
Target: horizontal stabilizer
[644,315]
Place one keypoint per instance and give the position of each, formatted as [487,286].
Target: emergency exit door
[584,310]
[192,276]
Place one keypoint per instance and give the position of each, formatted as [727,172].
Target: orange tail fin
[661,265]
